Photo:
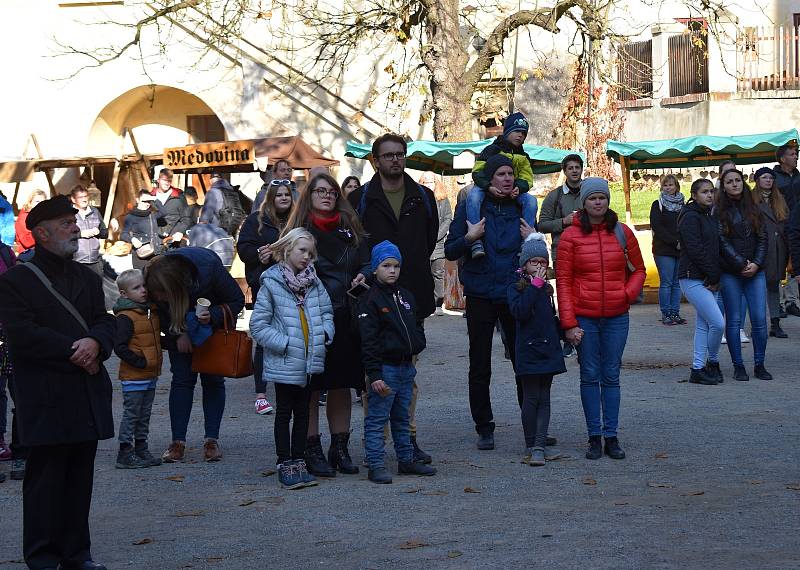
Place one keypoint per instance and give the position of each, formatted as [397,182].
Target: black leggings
[291,400]
[536,408]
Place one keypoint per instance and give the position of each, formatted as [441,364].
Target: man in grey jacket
[562,202]
[90,222]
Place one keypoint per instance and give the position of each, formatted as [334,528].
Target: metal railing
[767,58]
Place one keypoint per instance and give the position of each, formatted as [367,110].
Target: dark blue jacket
[487,277]
[788,184]
[250,239]
[210,280]
[538,345]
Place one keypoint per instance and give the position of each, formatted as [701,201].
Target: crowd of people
[342,279]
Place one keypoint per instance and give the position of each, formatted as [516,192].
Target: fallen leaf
[470,490]
[588,481]
[143,541]
[268,473]
[247,502]
[409,544]
[454,554]
[660,485]
[190,513]
[755,481]
[176,478]
[621,503]
[434,493]
[793,486]
[214,558]
[693,494]
[661,455]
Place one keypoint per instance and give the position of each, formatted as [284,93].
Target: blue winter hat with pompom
[533,246]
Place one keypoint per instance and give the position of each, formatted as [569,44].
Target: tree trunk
[445,56]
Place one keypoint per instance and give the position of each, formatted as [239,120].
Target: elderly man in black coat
[393,207]
[59,334]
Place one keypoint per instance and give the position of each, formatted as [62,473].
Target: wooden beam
[626,187]
[144,164]
[47,172]
[112,190]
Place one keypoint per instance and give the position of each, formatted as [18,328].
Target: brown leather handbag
[227,352]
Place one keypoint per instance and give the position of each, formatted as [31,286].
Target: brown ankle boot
[175,452]
[211,450]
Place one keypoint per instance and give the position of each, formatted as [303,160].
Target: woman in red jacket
[24,235]
[600,272]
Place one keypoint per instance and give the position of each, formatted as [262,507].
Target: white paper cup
[203,306]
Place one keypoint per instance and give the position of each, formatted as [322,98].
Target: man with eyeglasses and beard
[393,207]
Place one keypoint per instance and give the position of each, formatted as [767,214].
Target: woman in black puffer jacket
[259,230]
[743,249]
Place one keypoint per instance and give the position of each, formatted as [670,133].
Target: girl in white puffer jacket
[293,321]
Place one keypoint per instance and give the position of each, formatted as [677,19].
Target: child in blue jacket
[538,346]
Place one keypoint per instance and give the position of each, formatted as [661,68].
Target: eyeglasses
[393,156]
[281,183]
[324,192]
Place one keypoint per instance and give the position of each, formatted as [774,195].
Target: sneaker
[724,340]
[568,350]
[743,336]
[5,451]
[668,321]
[679,319]
[761,373]
[289,475]
[127,459]
[537,457]
[551,454]
[17,472]
[740,374]
[612,448]
[702,376]
[379,475]
[486,441]
[595,450]
[211,450]
[476,250]
[307,478]
[551,441]
[438,312]
[414,468]
[526,459]
[263,407]
[143,453]
[175,452]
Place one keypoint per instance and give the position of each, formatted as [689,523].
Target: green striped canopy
[702,150]
[438,156]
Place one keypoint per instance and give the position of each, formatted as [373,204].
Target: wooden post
[112,190]
[47,172]
[144,164]
[624,162]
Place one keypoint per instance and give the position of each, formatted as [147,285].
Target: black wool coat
[56,401]
[415,233]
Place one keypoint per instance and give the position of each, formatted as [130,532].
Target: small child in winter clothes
[293,321]
[390,337]
[509,144]
[138,345]
[538,346]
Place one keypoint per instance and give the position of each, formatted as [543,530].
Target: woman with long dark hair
[176,280]
[259,230]
[350,184]
[343,260]
[743,249]
[600,273]
[774,214]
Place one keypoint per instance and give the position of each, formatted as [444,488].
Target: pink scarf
[299,283]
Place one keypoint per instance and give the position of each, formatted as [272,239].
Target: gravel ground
[711,479]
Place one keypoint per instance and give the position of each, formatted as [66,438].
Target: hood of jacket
[125,304]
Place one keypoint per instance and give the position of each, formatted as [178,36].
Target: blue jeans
[743,305]
[393,408]
[600,357]
[754,290]
[710,322]
[475,201]
[181,394]
[669,290]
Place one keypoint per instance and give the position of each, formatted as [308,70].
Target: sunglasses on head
[281,183]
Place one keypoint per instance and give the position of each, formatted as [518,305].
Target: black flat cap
[49,210]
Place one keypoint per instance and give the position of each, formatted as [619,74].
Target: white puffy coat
[275,325]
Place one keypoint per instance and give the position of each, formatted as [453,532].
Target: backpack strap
[619,232]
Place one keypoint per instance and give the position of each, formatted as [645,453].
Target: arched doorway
[158,116]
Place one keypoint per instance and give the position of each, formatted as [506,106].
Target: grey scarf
[671,203]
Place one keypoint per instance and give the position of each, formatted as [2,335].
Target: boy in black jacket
[390,337]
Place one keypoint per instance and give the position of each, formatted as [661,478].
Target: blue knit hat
[533,246]
[515,122]
[495,162]
[762,171]
[384,251]
[593,185]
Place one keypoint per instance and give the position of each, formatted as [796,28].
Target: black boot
[701,376]
[595,450]
[486,440]
[776,330]
[419,455]
[315,460]
[761,373]
[338,456]
[740,374]
[713,370]
[414,468]
[613,450]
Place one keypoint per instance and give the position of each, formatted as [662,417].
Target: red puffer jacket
[591,274]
